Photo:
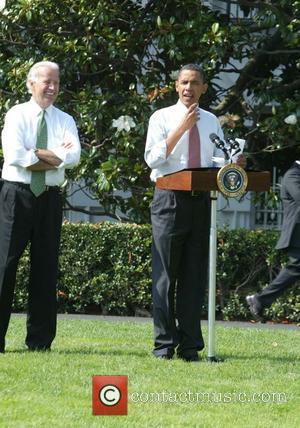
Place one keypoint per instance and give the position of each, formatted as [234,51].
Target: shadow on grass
[111,352]
[82,351]
[261,356]
[227,358]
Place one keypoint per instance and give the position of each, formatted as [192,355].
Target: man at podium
[178,138]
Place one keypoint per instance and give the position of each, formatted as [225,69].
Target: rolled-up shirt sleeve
[69,156]
[156,147]
[13,142]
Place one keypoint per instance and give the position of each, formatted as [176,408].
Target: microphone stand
[211,356]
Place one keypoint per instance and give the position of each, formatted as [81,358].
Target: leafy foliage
[106,268]
[119,59]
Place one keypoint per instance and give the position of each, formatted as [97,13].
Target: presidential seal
[232,180]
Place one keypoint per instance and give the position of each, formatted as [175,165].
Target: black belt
[188,193]
[27,186]
[193,193]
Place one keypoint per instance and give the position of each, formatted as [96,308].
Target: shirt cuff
[30,158]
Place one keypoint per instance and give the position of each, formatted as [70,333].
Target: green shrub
[106,268]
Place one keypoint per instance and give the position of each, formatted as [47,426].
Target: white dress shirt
[19,142]
[164,121]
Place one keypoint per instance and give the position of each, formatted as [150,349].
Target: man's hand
[47,160]
[190,118]
[188,121]
[41,166]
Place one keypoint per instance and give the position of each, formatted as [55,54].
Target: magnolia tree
[118,62]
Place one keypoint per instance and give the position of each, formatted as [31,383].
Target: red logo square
[110,395]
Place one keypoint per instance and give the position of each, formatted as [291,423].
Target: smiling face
[190,87]
[45,87]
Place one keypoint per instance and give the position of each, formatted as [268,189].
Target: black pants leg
[284,280]
[192,280]
[165,259]
[21,215]
[180,228]
[15,226]
[45,239]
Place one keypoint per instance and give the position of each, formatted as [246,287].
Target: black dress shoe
[255,307]
[164,357]
[190,358]
[39,348]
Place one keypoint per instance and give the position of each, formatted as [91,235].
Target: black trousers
[284,280]
[25,218]
[180,250]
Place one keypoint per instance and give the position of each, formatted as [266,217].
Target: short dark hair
[194,67]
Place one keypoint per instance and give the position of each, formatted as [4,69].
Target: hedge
[105,268]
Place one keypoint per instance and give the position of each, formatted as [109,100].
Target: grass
[55,388]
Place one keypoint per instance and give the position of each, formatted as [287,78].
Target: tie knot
[41,118]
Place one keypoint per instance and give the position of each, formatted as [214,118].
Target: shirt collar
[181,106]
[36,109]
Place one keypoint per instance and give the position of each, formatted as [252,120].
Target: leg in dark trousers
[24,218]
[177,227]
[193,279]
[45,239]
[166,251]
[284,280]
[15,225]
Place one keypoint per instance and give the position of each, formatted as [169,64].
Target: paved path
[238,324]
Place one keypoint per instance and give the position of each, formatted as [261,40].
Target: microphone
[234,145]
[214,138]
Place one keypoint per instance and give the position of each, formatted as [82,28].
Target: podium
[206,180]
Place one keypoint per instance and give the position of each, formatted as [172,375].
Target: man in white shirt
[180,219]
[30,215]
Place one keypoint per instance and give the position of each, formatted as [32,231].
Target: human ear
[204,88]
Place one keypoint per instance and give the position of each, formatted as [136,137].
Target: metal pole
[212,278]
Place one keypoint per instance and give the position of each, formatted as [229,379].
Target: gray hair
[34,71]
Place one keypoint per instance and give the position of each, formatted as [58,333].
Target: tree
[118,60]
[265,95]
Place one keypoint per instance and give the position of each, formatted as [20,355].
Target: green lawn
[256,386]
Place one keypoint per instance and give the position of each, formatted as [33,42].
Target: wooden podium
[206,180]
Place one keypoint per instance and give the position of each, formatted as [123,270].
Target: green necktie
[38,181]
